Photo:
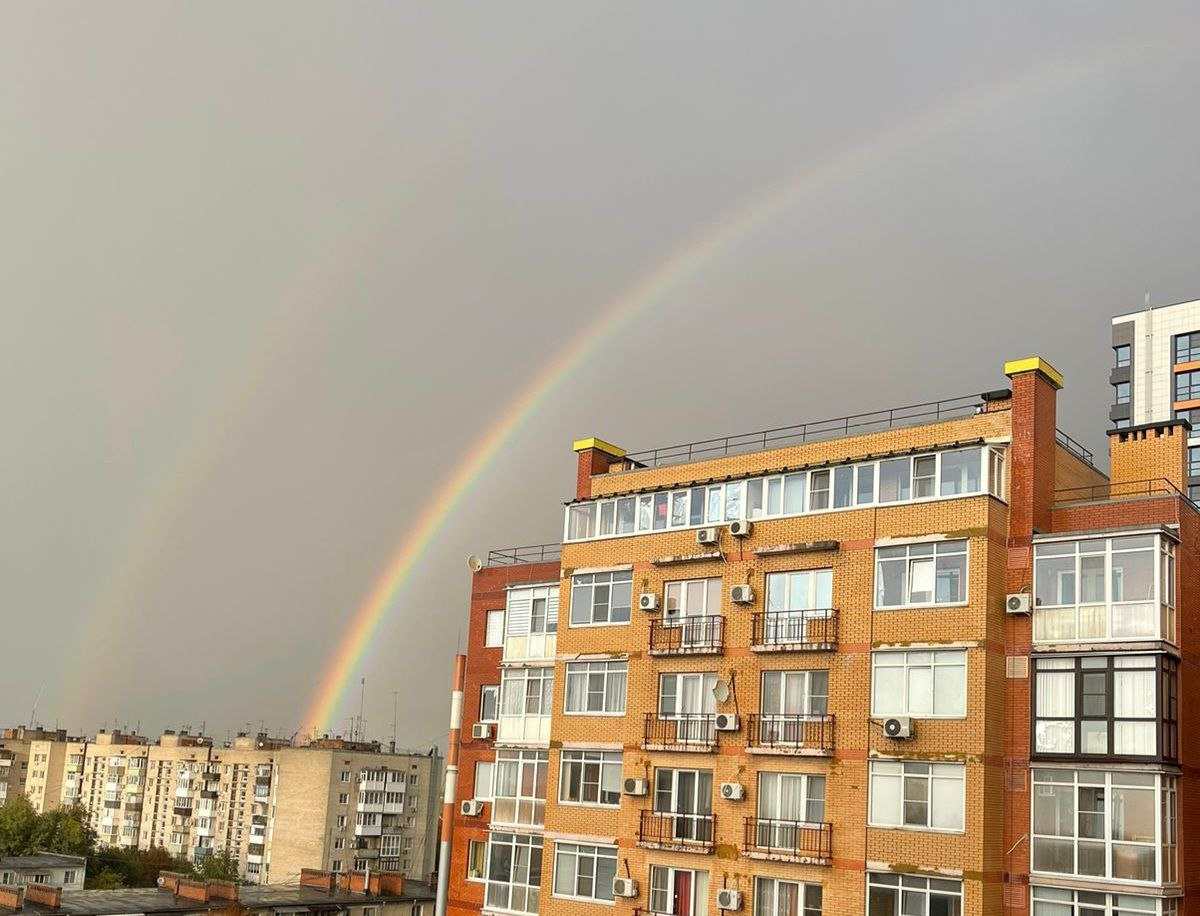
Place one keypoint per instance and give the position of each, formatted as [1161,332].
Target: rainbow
[680,267]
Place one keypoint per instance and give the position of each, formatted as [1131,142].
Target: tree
[18,825]
[105,880]
[220,866]
[66,831]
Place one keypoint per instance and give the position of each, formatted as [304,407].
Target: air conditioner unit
[1018,603]
[898,727]
[635,786]
[728,722]
[471,808]
[741,529]
[481,730]
[625,887]
[742,594]
[708,537]
[733,791]
[648,601]
[729,899]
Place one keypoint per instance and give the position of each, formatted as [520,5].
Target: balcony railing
[683,832]
[792,734]
[788,631]
[688,636]
[1124,489]
[534,553]
[683,732]
[788,841]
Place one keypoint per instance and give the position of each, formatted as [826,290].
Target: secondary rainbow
[681,266]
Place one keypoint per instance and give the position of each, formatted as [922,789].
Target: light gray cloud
[267,272]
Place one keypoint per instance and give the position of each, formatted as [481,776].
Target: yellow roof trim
[1034,364]
[600,445]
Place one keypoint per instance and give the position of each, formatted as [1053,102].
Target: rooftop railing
[534,553]
[855,424]
[1074,447]
[1125,489]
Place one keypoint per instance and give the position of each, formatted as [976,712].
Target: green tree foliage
[65,830]
[136,867]
[18,824]
[220,866]
[105,880]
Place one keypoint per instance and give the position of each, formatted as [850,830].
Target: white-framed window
[476,860]
[344,798]
[339,843]
[678,891]
[927,683]
[921,575]
[526,691]
[915,794]
[779,897]
[341,820]
[514,872]
[1116,824]
[590,778]
[601,599]
[791,798]
[489,703]
[795,693]
[1064,901]
[584,872]
[692,598]
[910,895]
[596,688]
[687,694]
[485,776]
[494,632]
[519,789]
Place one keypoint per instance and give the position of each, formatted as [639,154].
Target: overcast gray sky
[268,271]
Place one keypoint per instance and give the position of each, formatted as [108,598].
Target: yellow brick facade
[974,855]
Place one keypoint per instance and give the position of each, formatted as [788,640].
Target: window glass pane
[793,493]
[950,690]
[960,472]
[843,484]
[864,484]
[894,483]
[774,495]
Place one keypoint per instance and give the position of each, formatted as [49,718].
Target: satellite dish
[721,691]
[474,563]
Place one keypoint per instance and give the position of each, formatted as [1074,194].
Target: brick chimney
[1149,453]
[1035,387]
[313,877]
[595,457]
[222,890]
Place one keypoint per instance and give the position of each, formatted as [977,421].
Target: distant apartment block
[1155,373]
[927,661]
[276,808]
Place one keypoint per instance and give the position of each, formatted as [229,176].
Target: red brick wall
[488,593]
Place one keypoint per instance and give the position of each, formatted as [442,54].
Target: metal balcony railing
[855,424]
[789,841]
[1126,489]
[683,832]
[812,630]
[533,553]
[683,732]
[788,733]
[1073,446]
[687,636]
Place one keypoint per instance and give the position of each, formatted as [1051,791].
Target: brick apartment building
[277,808]
[513,623]
[924,662]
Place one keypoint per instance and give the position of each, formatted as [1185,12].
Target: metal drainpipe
[451,789]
